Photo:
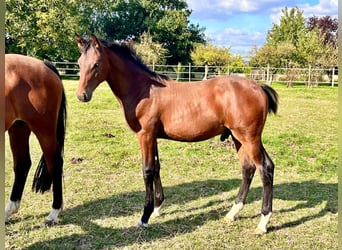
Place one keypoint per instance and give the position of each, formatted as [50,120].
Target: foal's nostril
[85,97]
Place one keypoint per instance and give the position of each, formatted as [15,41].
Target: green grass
[104,194]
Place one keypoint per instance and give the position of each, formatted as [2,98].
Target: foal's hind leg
[253,156]
[248,170]
[158,193]
[266,172]
[265,167]
[19,135]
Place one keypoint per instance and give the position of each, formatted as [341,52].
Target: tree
[327,26]
[290,29]
[293,43]
[281,41]
[166,21]
[310,48]
[263,56]
[43,29]
[149,51]
[211,55]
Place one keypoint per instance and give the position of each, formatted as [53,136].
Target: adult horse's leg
[147,147]
[159,193]
[54,162]
[19,134]
[248,170]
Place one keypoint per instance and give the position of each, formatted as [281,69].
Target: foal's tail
[272,98]
[42,180]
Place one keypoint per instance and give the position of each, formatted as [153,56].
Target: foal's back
[200,110]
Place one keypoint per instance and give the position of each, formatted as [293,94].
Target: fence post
[189,72]
[268,74]
[309,79]
[206,70]
[332,77]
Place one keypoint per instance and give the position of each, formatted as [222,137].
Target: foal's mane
[126,51]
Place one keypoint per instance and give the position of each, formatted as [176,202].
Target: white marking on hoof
[142,224]
[261,229]
[12,208]
[52,219]
[156,211]
[236,208]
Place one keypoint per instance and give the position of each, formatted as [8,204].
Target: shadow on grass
[310,193]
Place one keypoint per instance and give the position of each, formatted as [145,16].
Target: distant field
[104,190]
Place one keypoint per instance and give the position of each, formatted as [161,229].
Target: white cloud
[324,8]
[239,41]
[221,9]
[216,9]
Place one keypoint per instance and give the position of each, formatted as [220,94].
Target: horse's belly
[192,131]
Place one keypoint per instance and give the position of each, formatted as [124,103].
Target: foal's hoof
[229,218]
[156,212]
[142,224]
[49,223]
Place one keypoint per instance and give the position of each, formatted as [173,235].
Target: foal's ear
[80,41]
[95,42]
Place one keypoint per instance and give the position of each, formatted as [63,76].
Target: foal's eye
[96,65]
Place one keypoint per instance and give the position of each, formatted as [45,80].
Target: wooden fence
[290,76]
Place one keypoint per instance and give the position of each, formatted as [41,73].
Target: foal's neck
[127,81]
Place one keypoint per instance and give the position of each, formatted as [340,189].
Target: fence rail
[309,76]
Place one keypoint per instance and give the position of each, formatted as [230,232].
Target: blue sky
[242,24]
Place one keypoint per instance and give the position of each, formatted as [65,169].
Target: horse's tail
[42,180]
[272,98]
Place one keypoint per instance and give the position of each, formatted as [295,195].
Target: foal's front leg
[147,147]
[158,193]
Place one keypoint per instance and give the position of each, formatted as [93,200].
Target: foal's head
[94,66]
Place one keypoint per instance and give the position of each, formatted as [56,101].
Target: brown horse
[35,101]
[158,107]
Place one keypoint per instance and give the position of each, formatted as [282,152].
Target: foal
[158,107]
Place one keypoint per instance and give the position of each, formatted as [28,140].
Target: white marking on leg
[52,217]
[236,208]
[142,224]
[12,208]
[156,211]
[263,223]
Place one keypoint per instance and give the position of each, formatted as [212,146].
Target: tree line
[299,42]
[161,32]
[46,29]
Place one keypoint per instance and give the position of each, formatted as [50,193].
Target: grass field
[104,190]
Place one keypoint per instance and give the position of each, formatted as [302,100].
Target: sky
[243,24]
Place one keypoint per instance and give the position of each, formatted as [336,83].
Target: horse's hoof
[142,224]
[156,212]
[49,223]
[259,231]
[229,218]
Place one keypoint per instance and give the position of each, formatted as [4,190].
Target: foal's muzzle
[84,97]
